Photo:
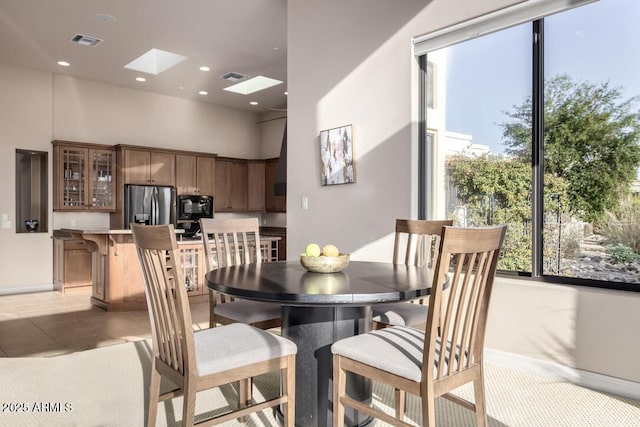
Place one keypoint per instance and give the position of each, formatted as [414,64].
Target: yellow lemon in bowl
[312,249]
[330,250]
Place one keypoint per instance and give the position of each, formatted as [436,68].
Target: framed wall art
[337,163]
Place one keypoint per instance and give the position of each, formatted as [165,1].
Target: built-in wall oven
[194,207]
[190,209]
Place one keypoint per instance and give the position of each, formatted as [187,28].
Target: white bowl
[324,264]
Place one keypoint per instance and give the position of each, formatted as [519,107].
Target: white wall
[271,130]
[95,112]
[25,122]
[351,63]
[39,107]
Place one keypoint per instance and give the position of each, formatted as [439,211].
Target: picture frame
[337,161]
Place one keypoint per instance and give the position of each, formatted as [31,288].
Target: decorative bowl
[31,225]
[324,264]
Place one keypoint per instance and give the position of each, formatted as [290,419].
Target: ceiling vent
[85,40]
[234,77]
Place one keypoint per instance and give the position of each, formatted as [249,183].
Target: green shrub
[622,254]
[623,226]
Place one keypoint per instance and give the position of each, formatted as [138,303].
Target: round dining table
[319,309]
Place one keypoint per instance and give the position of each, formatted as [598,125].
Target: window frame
[426,163]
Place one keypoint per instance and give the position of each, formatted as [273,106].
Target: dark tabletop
[287,282]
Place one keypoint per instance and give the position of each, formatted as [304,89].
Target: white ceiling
[243,36]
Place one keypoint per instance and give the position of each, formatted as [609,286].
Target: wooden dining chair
[196,361]
[416,244]
[430,364]
[229,242]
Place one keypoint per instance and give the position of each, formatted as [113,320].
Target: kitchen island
[116,278]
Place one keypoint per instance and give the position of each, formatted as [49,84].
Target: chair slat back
[417,241]
[467,263]
[167,299]
[229,242]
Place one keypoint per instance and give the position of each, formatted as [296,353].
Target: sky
[489,75]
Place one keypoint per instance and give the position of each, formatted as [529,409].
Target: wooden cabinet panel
[162,169]
[135,166]
[206,176]
[256,186]
[273,203]
[186,179]
[148,167]
[195,174]
[71,264]
[231,185]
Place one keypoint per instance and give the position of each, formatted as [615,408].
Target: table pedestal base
[314,329]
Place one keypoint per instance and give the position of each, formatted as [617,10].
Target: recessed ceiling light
[254,103]
[155,61]
[286,93]
[204,68]
[253,85]
[105,18]
[63,63]
[203,92]
[141,79]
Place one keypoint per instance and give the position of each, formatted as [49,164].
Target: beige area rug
[108,387]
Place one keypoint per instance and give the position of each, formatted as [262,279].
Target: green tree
[497,191]
[591,140]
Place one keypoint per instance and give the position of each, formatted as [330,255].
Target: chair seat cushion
[397,350]
[236,345]
[400,314]
[246,311]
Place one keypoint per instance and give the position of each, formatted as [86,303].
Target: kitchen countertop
[64,232]
[270,231]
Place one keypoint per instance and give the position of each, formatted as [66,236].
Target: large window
[539,128]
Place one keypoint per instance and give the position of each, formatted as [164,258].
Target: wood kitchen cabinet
[71,264]
[195,174]
[273,203]
[256,185]
[206,176]
[84,177]
[231,185]
[186,174]
[148,167]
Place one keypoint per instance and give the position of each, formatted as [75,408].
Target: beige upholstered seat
[416,243]
[233,242]
[196,361]
[413,361]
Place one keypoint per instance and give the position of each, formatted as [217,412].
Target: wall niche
[31,191]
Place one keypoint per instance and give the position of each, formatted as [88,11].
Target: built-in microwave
[194,207]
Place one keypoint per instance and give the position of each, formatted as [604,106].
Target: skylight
[155,61]
[255,84]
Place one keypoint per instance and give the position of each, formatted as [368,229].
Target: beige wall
[25,122]
[351,63]
[95,112]
[38,107]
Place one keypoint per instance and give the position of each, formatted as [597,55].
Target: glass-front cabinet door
[73,163]
[84,177]
[102,179]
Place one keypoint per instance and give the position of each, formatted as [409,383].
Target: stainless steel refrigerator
[149,204]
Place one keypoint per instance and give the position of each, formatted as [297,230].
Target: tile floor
[51,323]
